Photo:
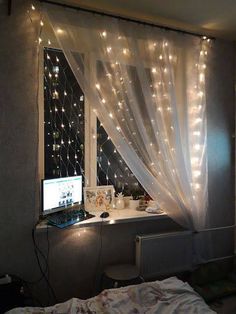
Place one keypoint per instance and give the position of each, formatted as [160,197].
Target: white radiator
[164,253]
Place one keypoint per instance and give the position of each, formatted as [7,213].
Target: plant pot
[127,200]
[134,204]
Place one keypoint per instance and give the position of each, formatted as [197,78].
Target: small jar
[120,204]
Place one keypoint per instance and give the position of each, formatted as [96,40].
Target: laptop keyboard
[67,218]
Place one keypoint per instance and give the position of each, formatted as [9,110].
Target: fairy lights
[161,81]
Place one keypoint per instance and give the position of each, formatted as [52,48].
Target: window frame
[90,118]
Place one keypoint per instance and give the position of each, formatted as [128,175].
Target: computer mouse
[104,215]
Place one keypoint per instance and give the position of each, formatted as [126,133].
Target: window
[63,118]
[65,121]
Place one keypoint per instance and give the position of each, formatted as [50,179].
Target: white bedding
[170,296]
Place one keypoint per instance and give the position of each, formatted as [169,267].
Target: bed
[167,296]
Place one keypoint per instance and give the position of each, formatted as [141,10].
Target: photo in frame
[99,198]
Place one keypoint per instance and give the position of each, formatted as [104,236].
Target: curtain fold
[147,87]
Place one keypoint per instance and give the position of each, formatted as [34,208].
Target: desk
[115,216]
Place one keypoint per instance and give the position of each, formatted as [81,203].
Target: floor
[225,306]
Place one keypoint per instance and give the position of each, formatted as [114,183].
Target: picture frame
[99,198]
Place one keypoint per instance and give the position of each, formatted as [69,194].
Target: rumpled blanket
[170,296]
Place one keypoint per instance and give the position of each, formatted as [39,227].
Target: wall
[73,258]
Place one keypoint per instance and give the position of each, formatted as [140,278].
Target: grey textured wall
[74,258]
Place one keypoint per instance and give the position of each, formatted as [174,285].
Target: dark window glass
[112,169]
[63,118]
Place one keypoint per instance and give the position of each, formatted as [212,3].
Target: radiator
[164,253]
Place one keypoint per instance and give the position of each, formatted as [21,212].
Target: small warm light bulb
[198,120]
[41,23]
[197,147]
[59,31]
[194,160]
[201,77]
[98,86]
[108,49]
[104,34]
[196,173]
[32,7]
[49,42]
[40,40]
[154,70]
[125,51]
[160,57]
[200,94]
[111,115]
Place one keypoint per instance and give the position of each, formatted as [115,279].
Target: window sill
[116,216]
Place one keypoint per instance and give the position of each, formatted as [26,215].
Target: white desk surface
[115,216]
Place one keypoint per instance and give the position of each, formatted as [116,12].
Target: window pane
[63,118]
[112,169]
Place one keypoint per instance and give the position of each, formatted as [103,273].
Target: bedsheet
[169,296]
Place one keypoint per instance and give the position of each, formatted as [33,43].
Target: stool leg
[141,278]
[115,284]
[101,282]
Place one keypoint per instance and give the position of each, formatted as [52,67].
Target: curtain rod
[123,18]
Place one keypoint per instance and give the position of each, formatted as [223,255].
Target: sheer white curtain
[147,87]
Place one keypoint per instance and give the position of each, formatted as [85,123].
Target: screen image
[60,193]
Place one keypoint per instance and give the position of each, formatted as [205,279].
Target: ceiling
[210,17]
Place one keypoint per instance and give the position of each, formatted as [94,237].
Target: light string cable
[37,192]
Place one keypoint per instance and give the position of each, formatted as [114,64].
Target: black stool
[120,275]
